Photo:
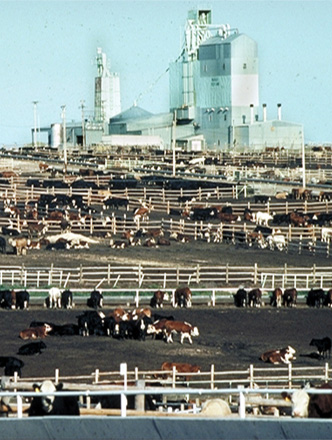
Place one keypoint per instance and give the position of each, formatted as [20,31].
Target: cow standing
[182,297]
[96,300]
[241,298]
[276,297]
[158,299]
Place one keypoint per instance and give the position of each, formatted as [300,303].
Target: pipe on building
[264,112]
[251,114]
[279,112]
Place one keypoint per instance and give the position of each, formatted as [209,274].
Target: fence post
[19,406]
[173,376]
[290,375]
[251,376]
[56,378]
[140,398]
[137,298]
[212,377]
[242,403]
[213,298]
[108,274]
[326,371]
[227,273]
[255,273]
[197,274]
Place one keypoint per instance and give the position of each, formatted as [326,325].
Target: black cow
[95,300]
[289,297]
[64,330]
[52,405]
[240,298]
[316,298]
[12,365]
[3,245]
[31,348]
[22,299]
[114,402]
[91,323]
[67,299]
[323,346]
[6,299]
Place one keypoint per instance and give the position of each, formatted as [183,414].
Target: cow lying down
[284,355]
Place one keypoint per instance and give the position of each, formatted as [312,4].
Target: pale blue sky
[48,51]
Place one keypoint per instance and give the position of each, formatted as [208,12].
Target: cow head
[300,402]
[47,401]
[48,328]
[194,331]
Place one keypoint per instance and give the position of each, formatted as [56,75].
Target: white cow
[276,241]
[262,218]
[326,234]
[54,298]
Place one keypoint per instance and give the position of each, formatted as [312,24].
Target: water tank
[56,135]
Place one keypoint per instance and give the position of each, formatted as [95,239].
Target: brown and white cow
[283,355]
[182,297]
[276,297]
[158,299]
[35,332]
[313,405]
[21,244]
[181,367]
[185,330]
[255,298]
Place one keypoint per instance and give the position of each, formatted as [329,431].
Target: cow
[3,245]
[328,298]
[184,369]
[283,355]
[323,346]
[185,329]
[35,332]
[6,299]
[276,297]
[12,365]
[31,348]
[255,298]
[158,299]
[91,323]
[240,298]
[22,299]
[52,405]
[54,298]
[20,244]
[258,198]
[67,299]
[95,300]
[182,297]
[215,408]
[313,405]
[315,298]
[289,297]
[263,218]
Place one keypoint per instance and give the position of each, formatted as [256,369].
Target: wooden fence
[210,282]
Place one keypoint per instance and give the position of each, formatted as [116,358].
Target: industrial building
[214,101]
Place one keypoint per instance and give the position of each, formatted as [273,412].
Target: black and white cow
[91,323]
[22,299]
[52,405]
[96,300]
[67,299]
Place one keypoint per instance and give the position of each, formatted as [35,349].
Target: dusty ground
[229,338]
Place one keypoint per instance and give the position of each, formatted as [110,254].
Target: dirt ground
[229,338]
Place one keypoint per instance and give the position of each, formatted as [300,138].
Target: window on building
[225,117]
[244,65]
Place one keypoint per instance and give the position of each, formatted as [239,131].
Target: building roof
[132,113]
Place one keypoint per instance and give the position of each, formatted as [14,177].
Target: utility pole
[64,134]
[303,162]
[173,143]
[83,124]
[35,123]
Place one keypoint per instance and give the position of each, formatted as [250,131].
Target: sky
[48,54]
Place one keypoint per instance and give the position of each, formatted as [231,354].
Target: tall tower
[107,91]
[215,82]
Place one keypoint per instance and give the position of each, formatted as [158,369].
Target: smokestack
[251,113]
[264,112]
[279,112]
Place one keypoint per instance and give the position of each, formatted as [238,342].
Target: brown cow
[255,298]
[185,329]
[284,355]
[35,332]
[182,297]
[289,297]
[276,297]
[181,368]
[21,244]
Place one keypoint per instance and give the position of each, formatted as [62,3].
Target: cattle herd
[62,215]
